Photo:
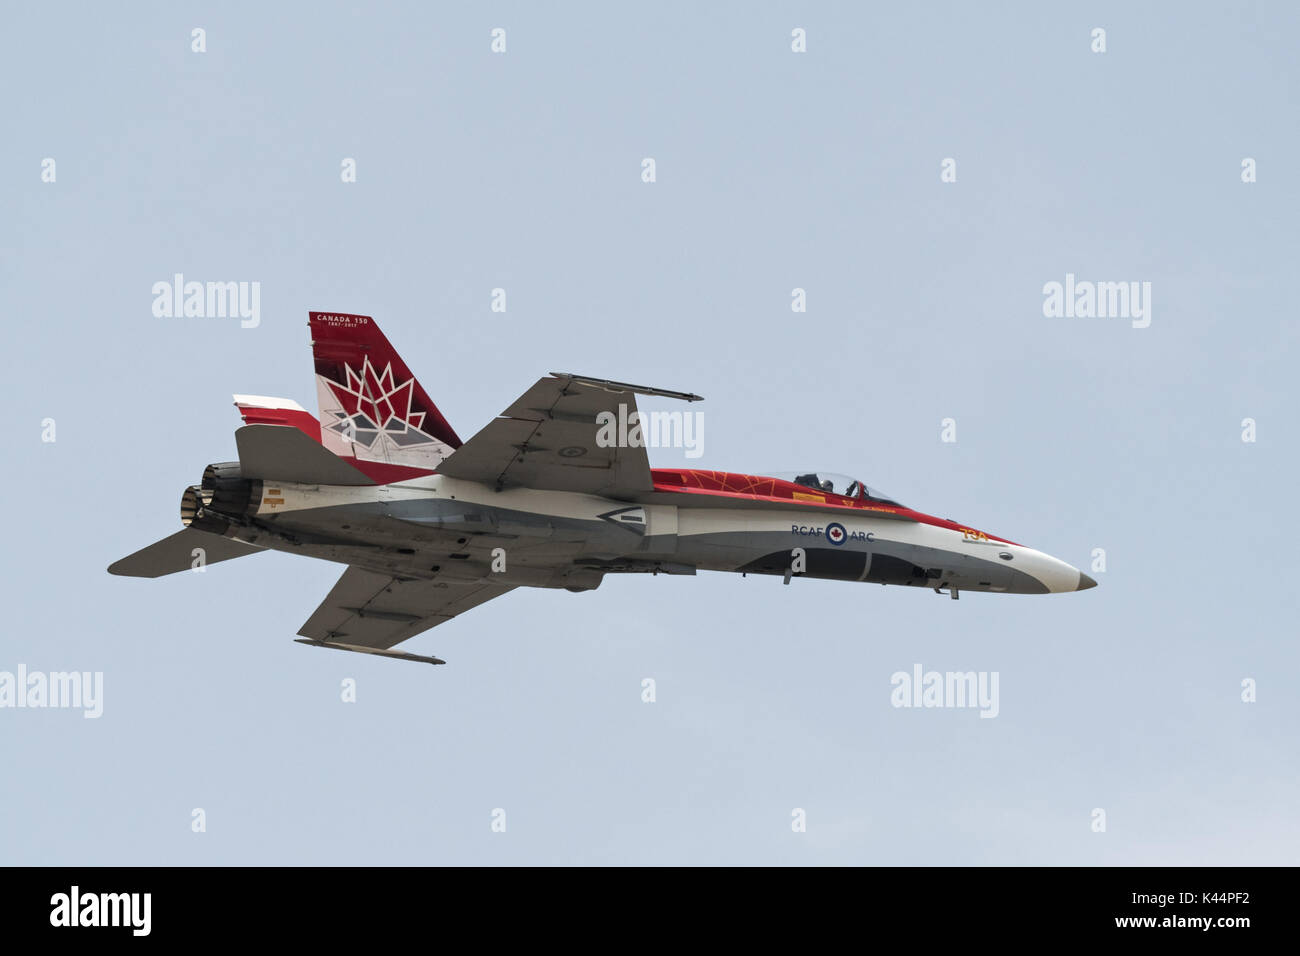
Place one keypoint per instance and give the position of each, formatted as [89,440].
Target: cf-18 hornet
[557,492]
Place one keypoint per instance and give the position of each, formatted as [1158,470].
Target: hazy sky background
[775,170]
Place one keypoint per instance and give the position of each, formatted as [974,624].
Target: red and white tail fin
[264,410]
[371,406]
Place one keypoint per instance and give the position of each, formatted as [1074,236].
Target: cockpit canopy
[836,484]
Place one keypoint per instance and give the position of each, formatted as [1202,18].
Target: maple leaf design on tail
[373,406]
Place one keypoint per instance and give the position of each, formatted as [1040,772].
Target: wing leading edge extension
[551,439]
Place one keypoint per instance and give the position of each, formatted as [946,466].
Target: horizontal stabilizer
[284,453]
[177,553]
[379,651]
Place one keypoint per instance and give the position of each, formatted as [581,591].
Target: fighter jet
[557,492]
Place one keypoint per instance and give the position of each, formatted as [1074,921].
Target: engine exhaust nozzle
[195,514]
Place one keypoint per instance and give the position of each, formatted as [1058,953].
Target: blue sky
[774,171]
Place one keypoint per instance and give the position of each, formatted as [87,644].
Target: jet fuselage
[466,530]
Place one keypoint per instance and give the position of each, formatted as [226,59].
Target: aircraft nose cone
[1085,582]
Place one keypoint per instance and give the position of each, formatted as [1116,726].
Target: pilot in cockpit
[838,484]
[817,484]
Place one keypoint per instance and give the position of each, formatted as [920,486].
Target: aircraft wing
[370,611]
[548,440]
